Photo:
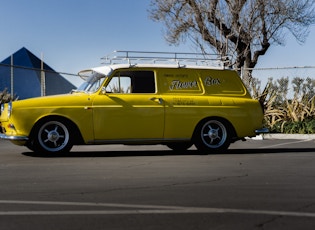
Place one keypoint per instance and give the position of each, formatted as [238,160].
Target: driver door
[130,109]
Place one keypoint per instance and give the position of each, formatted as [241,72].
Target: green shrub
[6,97]
[284,114]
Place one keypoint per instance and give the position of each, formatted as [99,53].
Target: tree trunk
[246,74]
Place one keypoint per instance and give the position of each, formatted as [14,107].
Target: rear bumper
[261,131]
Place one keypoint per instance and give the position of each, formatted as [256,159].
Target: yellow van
[139,103]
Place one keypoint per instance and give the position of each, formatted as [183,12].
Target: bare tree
[241,29]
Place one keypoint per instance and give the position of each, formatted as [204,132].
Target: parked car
[139,103]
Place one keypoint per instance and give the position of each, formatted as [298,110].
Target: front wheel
[52,137]
[213,136]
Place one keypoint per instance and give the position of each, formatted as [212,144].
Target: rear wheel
[213,136]
[52,136]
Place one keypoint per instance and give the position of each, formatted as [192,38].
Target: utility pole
[12,77]
[42,77]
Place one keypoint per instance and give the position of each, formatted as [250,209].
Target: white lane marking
[62,203]
[281,144]
[140,209]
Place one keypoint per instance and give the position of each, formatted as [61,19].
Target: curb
[280,136]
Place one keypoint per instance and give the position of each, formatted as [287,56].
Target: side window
[132,82]
[119,84]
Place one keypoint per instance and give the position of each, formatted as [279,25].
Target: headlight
[1,109]
[9,109]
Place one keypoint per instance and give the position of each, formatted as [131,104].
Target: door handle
[157,99]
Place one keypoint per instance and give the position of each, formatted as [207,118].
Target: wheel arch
[77,138]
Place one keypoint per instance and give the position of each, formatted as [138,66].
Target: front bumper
[13,138]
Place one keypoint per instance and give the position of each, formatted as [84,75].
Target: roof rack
[137,57]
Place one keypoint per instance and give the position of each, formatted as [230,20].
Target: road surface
[254,185]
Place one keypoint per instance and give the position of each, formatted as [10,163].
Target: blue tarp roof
[27,81]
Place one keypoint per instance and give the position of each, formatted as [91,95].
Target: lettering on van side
[177,84]
[212,81]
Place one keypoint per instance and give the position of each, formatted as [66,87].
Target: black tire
[213,136]
[52,136]
[179,146]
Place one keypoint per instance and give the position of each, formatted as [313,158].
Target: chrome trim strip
[13,138]
[137,141]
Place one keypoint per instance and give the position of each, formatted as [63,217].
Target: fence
[287,78]
[31,82]
[27,82]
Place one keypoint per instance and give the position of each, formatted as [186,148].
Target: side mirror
[103,91]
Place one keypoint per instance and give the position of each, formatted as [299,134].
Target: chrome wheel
[213,135]
[54,136]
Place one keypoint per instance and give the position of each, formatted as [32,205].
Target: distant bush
[288,111]
[6,97]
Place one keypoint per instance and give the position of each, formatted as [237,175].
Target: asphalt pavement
[257,184]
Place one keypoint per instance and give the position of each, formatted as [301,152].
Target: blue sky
[75,34]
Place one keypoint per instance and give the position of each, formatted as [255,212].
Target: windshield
[93,81]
